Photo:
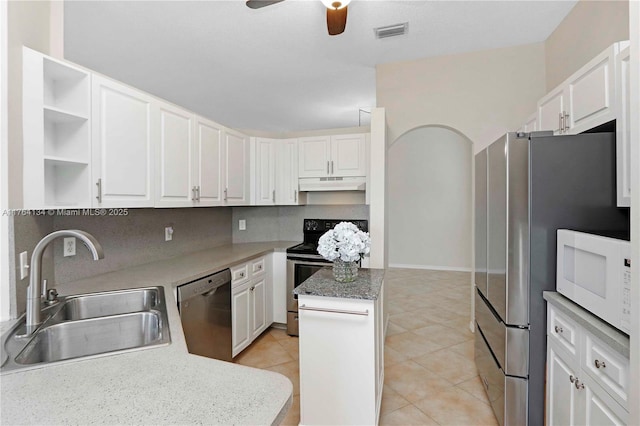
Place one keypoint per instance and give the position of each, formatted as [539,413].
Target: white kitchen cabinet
[587,382]
[237,172]
[623,128]
[276,172]
[551,111]
[56,108]
[252,301]
[565,400]
[341,359]
[240,317]
[176,158]
[531,125]
[287,174]
[279,287]
[586,99]
[210,164]
[348,155]
[314,156]
[265,170]
[124,127]
[332,156]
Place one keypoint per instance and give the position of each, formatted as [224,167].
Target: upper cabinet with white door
[56,133]
[237,172]
[124,128]
[332,156]
[275,163]
[210,163]
[623,128]
[585,100]
[175,157]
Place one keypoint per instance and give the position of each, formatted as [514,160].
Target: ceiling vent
[391,30]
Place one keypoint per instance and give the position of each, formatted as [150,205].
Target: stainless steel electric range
[303,261]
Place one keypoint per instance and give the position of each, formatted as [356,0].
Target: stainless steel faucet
[34,291]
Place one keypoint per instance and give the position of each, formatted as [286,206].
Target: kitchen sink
[107,303]
[90,325]
[75,339]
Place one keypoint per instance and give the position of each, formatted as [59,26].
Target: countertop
[160,385]
[366,286]
[613,337]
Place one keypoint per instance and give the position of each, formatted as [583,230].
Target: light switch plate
[24,265]
[168,233]
[242,225]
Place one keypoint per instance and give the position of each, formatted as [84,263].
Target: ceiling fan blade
[336,20]
[257,4]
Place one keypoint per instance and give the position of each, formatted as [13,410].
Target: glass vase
[345,272]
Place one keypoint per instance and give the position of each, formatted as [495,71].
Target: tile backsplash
[272,223]
[127,240]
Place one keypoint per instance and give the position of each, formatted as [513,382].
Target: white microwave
[595,272]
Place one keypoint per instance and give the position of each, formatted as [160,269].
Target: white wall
[429,200]
[481,94]
[587,30]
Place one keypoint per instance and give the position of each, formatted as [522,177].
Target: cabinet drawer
[563,331]
[258,266]
[239,274]
[608,368]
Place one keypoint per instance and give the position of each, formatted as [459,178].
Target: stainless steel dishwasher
[205,311]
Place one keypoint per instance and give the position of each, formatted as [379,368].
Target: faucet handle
[44,288]
[51,297]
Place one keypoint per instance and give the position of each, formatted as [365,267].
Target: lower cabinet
[251,300]
[341,360]
[575,395]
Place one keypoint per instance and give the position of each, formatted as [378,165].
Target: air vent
[391,30]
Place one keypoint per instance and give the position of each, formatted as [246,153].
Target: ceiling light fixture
[391,30]
[335,5]
[336,15]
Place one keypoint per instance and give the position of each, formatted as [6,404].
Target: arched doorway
[430,199]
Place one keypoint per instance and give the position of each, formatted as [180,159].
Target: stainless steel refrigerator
[526,187]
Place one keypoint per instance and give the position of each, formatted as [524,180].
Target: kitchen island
[159,385]
[342,328]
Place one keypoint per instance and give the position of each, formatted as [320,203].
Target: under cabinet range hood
[332,184]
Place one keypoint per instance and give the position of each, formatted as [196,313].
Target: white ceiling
[275,68]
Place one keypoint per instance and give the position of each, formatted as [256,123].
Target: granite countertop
[613,337]
[366,286]
[158,385]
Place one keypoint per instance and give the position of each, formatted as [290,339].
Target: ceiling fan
[336,12]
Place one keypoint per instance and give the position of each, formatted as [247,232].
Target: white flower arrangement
[345,241]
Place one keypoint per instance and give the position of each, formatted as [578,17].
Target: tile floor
[430,375]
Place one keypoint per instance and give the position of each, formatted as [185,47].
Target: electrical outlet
[69,246]
[168,233]
[24,265]
[242,225]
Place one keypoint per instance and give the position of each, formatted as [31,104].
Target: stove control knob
[312,225]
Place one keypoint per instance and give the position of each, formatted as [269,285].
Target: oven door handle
[299,261]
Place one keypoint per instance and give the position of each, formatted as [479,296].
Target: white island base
[341,359]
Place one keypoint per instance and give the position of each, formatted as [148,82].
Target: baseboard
[435,268]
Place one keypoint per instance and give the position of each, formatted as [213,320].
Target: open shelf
[66,184]
[65,87]
[65,136]
[59,115]
[61,161]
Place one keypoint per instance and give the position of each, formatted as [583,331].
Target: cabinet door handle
[560,122]
[578,384]
[273,196]
[331,166]
[225,194]
[558,329]
[252,288]
[599,364]
[327,167]
[572,379]
[99,185]
[198,191]
[334,311]
[193,193]
[295,196]
[566,121]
